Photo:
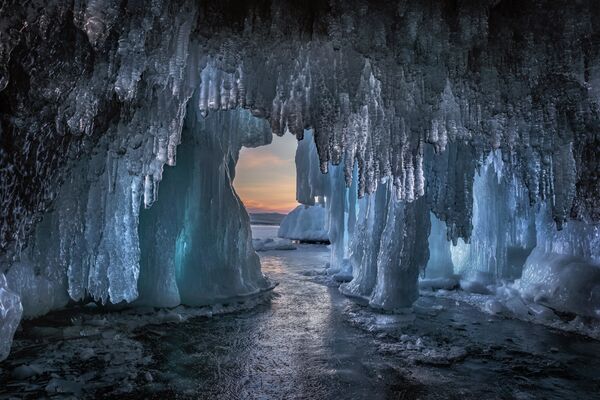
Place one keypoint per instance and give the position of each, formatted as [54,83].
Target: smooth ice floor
[307,342]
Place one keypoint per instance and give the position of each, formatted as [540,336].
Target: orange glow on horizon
[266,176]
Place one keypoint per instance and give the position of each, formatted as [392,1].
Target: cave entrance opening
[265,181]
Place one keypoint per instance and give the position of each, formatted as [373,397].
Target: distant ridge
[266,218]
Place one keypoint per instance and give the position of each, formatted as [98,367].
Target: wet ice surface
[308,341]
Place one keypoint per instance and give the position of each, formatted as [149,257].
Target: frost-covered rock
[305,223]
[10,316]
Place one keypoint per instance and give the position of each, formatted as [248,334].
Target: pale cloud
[252,160]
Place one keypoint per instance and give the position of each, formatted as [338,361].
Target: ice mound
[39,290]
[564,283]
[305,223]
[272,244]
[10,316]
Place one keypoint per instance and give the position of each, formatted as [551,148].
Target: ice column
[337,207]
[403,252]
[196,240]
[340,201]
[365,243]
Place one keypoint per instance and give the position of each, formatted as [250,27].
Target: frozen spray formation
[406,101]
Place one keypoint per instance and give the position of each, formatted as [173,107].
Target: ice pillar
[196,239]
[403,252]
[365,243]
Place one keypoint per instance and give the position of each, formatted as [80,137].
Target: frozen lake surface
[307,341]
[264,231]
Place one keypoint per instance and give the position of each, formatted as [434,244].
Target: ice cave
[441,235]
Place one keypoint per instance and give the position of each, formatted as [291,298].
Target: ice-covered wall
[94,245]
[503,225]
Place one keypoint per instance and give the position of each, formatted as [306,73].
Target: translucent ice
[10,316]
[196,239]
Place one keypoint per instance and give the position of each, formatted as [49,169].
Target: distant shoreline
[268,219]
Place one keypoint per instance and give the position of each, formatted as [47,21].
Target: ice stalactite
[98,90]
[196,240]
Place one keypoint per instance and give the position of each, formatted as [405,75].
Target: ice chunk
[563,282]
[563,271]
[305,223]
[474,286]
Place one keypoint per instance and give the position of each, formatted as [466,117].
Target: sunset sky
[265,177]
